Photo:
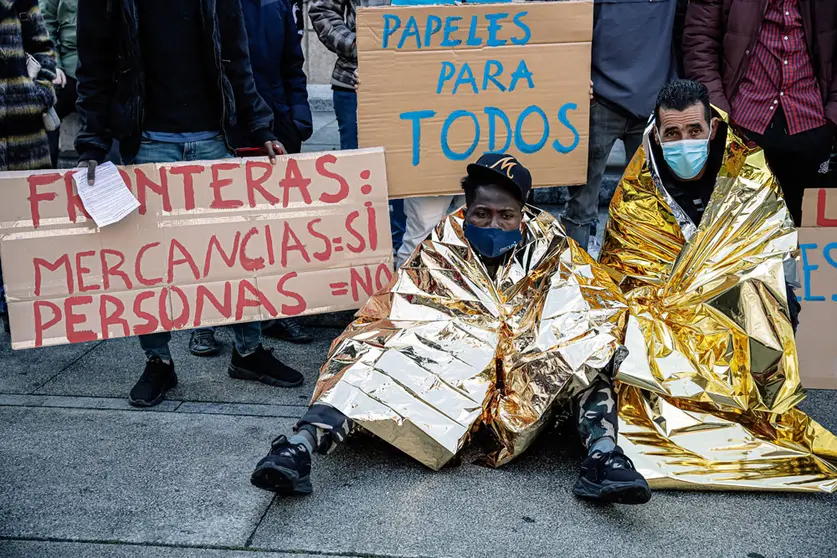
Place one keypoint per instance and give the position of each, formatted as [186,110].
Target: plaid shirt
[334,21]
[780,71]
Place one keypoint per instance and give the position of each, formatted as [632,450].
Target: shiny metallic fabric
[446,349]
[707,394]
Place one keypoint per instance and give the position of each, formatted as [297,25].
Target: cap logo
[506,164]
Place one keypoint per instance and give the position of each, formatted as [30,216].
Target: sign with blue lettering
[443,84]
[816,340]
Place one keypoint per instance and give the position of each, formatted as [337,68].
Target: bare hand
[60,78]
[357,80]
[273,149]
[91,170]
[591,89]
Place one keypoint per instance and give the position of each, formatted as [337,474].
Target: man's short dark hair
[470,184]
[682,94]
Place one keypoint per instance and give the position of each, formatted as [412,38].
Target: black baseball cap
[504,168]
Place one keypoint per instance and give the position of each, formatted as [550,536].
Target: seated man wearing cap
[495,322]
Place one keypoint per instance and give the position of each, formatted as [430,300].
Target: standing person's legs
[606,126]
[345,108]
[634,132]
[423,214]
[159,375]
[798,161]
[247,336]
[398,223]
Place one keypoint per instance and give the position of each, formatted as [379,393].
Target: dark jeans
[799,161]
[247,336]
[606,126]
[345,107]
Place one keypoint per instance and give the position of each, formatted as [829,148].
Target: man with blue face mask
[688,143]
[689,138]
[494,323]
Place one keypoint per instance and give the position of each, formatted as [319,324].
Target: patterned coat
[23,139]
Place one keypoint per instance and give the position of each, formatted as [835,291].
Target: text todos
[436,31]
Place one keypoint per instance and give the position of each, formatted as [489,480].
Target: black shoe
[203,343]
[262,366]
[287,329]
[152,386]
[611,477]
[285,470]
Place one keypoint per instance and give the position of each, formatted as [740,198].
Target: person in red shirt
[772,65]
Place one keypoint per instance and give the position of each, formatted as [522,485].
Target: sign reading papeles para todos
[440,85]
[213,242]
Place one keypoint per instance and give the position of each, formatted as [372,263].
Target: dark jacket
[277,59]
[721,34]
[110,75]
[23,100]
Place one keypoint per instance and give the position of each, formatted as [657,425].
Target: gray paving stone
[243,409]
[24,371]
[112,369]
[369,499]
[81,402]
[39,549]
[160,478]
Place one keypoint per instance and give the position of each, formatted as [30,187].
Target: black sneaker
[152,386]
[611,477]
[203,343]
[285,470]
[262,366]
[287,329]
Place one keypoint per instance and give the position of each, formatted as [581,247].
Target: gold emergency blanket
[708,391]
[446,348]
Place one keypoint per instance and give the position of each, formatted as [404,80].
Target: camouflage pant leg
[596,411]
[328,426]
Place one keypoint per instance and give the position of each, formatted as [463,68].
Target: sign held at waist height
[212,243]
[441,85]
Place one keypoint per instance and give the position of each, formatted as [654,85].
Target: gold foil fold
[708,391]
[446,349]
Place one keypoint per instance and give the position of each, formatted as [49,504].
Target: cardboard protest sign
[440,85]
[816,339]
[213,242]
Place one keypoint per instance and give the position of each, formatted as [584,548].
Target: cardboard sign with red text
[816,340]
[213,242]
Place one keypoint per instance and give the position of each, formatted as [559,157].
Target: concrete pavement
[83,474]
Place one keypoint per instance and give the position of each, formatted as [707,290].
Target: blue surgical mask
[686,158]
[491,242]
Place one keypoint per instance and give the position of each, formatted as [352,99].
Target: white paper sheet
[108,200]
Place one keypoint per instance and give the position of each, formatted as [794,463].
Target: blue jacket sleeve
[293,77]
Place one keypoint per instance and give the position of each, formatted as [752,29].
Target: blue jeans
[247,336]
[345,108]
